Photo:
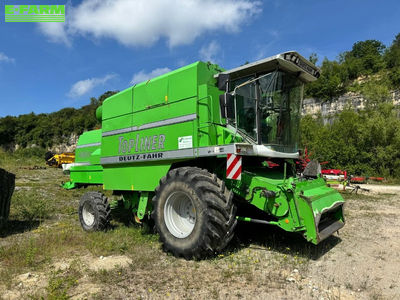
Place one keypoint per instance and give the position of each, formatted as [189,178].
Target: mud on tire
[94,212]
[193,213]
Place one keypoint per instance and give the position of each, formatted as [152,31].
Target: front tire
[194,213]
[94,212]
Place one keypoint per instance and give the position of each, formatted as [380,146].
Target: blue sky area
[110,45]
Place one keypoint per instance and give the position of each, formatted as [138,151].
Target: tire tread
[220,212]
[101,204]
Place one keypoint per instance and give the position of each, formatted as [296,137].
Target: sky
[113,44]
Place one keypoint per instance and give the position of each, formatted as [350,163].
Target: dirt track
[366,261]
[262,263]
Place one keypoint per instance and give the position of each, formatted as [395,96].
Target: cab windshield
[267,109]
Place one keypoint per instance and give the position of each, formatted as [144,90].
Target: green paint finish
[92,174]
[143,201]
[138,202]
[68,185]
[87,168]
[247,219]
[118,105]
[115,123]
[131,200]
[225,136]
[174,86]
[297,205]
[141,177]
[162,138]
[209,116]
[89,137]
[86,151]
[165,111]
[155,103]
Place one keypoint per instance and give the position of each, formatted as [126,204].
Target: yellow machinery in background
[56,160]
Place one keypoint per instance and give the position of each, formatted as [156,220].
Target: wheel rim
[179,214]
[88,214]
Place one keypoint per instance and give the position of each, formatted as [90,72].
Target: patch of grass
[30,205]
[108,276]
[34,252]
[121,240]
[61,282]
[31,254]
[50,242]
[6,277]
[12,161]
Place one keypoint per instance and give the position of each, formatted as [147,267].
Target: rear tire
[94,212]
[194,213]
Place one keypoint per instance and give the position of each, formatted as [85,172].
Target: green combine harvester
[191,148]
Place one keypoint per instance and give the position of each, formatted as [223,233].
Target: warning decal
[234,167]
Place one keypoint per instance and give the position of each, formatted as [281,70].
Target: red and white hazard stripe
[234,167]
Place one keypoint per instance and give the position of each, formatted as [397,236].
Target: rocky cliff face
[314,106]
[68,146]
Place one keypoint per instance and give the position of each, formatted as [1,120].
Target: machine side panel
[88,144]
[174,86]
[128,159]
[87,169]
[135,177]
[164,129]
[118,105]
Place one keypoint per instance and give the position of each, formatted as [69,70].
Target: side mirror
[227,106]
[223,81]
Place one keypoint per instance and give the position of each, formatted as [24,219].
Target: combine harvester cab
[190,148]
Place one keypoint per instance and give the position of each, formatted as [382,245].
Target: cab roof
[290,61]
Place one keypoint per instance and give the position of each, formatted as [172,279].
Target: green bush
[363,143]
[30,152]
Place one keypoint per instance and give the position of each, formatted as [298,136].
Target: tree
[392,59]
[106,95]
[375,92]
[44,130]
[8,126]
[313,58]
[330,84]
[367,56]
